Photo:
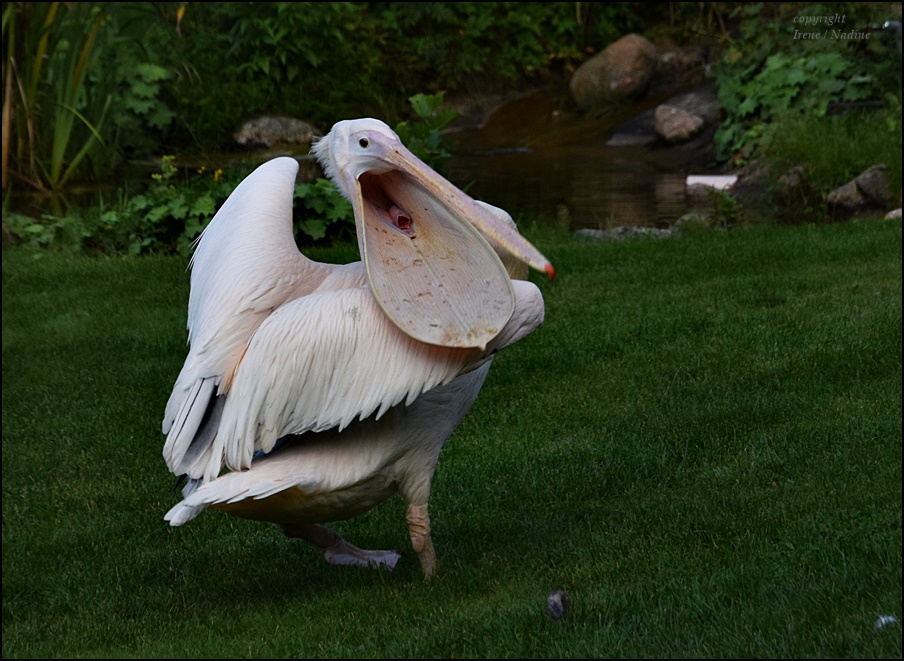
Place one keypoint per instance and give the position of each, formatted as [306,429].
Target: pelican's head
[350,150]
[425,243]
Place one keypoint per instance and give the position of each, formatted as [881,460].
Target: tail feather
[265,478]
[182,513]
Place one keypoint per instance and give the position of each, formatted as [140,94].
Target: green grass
[702,446]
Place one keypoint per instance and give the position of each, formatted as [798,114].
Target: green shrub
[775,73]
[805,85]
[170,214]
[84,89]
[321,211]
[835,149]
[327,61]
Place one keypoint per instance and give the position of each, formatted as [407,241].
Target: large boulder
[621,71]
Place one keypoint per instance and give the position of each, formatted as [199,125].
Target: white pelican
[324,389]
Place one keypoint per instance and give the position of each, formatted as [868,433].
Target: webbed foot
[337,551]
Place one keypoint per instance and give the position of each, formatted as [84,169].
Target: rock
[270,131]
[677,69]
[641,129]
[702,101]
[621,71]
[893,214]
[792,179]
[622,232]
[867,191]
[846,198]
[675,124]
[698,193]
[558,604]
[874,185]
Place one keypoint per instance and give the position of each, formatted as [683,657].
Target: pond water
[538,161]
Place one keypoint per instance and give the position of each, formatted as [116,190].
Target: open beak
[424,244]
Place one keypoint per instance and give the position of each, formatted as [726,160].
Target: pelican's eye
[363,142]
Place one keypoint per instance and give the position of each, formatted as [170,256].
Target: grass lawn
[702,446]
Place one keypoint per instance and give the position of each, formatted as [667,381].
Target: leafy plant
[40,233]
[140,115]
[785,65]
[82,90]
[165,218]
[319,208]
[425,138]
[299,59]
[726,211]
[786,85]
[171,213]
[281,40]
[168,213]
[453,44]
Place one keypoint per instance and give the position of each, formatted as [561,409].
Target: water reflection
[600,188]
[535,161]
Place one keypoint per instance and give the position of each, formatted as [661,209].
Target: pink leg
[421,541]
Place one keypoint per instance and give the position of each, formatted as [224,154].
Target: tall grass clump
[50,127]
[81,91]
[829,152]
[837,148]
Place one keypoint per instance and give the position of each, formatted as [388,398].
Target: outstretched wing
[245,265]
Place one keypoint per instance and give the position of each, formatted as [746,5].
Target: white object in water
[718,182]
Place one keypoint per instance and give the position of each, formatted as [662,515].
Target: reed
[51,118]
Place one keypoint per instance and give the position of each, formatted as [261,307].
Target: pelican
[312,392]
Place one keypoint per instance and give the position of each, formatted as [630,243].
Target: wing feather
[321,362]
[245,265]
